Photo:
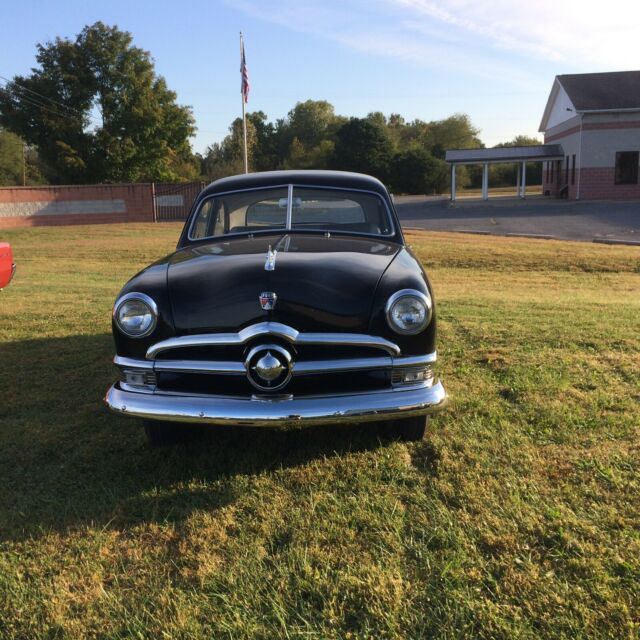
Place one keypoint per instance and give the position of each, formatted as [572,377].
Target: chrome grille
[215,362]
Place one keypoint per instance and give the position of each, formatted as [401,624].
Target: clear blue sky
[493,59]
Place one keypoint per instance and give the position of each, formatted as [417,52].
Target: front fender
[153,282]
[405,272]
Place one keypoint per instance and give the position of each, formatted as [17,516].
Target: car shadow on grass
[66,463]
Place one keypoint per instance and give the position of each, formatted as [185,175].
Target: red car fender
[7,266]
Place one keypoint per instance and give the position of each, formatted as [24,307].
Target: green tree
[305,138]
[227,157]
[301,157]
[454,132]
[264,156]
[364,147]
[14,168]
[10,159]
[140,132]
[505,175]
[417,171]
[312,122]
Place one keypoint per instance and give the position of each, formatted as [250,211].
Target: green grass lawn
[517,517]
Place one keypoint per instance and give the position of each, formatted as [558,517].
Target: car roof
[342,179]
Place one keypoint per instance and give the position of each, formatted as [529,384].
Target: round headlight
[136,315]
[409,311]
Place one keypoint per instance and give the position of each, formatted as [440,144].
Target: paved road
[537,215]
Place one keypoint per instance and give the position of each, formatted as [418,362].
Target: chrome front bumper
[283,411]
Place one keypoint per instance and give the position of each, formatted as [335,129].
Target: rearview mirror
[297,203]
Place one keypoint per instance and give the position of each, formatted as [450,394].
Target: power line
[37,103]
[40,95]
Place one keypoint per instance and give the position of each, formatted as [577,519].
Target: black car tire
[163,434]
[411,429]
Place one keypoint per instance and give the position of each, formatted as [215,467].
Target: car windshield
[298,208]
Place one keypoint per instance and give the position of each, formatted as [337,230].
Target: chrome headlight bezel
[422,298]
[146,301]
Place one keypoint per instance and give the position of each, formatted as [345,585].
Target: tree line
[408,156]
[95,111]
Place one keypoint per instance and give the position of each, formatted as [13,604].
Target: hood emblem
[270,264]
[268,300]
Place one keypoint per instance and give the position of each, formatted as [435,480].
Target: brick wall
[83,204]
[598,183]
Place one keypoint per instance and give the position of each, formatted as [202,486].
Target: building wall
[562,109]
[603,135]
[569,138]
[84,204]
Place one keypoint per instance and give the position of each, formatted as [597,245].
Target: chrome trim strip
[349,340]
[415,361]
[346,364]
[283,412]
[132,363]
[272,329]
[134,388]
[200,366]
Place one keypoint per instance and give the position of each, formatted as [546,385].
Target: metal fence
[173,201]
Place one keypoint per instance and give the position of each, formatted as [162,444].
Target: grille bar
[200,366]
[299,368]
[277,330]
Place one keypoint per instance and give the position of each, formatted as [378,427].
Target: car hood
[322,282]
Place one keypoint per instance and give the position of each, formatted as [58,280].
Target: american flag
[244,72]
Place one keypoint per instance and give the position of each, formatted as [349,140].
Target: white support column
[453,182]
[524,179]
[485,181]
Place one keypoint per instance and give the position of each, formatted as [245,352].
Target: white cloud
[386,28]
[585,34]
[477,35]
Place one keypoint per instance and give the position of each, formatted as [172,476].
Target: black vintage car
[291,300]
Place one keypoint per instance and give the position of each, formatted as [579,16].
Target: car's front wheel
[163,434]
[411,429]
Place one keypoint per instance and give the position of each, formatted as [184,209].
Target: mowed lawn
[517,517]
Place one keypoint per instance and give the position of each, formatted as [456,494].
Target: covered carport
[510,155]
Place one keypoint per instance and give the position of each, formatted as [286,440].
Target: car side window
[202,224]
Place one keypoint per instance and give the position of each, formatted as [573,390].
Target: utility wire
[40,95]
[35,103]
[45,107]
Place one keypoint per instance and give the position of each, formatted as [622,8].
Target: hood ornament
[270,264]
[268,300]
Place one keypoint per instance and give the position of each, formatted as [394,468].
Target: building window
[566,169]
[573,169]
[552,164]
[627,167]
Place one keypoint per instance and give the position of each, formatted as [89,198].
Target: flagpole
[244,115]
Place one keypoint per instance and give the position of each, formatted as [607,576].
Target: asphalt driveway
[562,219]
